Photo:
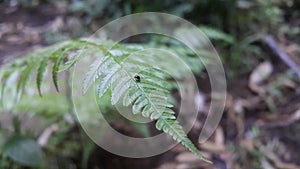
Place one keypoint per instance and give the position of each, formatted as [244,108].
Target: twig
[271,42]
[283,123]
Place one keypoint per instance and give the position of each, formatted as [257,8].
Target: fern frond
[216,34]
[70,63]
[40,74]
[55,68]
[43,57]
[146,95]
[96,70]
[59,59]
[168,124]
[107,80]
[115,70]
[24,78]
[4,77]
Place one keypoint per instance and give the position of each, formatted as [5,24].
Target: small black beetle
[137,78]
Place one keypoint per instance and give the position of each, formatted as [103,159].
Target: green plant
[19,148]
[146,91]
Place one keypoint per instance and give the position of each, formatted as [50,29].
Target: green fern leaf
[147,97]
[131,96]
[58,61]
[171,126]
[40,74]
[55,69]
[93,73]
[51,53]
[216,34]
[109,78]
[147,94]
[4,77]
[139,105]
[119,88]
[24,78]
[70,63]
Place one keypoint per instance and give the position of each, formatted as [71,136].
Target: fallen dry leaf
[219,136]
[188,160]
[281,121]
[259,74]
[213,147]
[187,157]
[44,137]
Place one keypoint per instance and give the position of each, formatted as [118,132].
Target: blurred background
[258,42]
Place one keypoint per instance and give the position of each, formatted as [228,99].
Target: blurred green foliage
[244,20]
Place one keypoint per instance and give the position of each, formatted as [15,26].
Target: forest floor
[258,126]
